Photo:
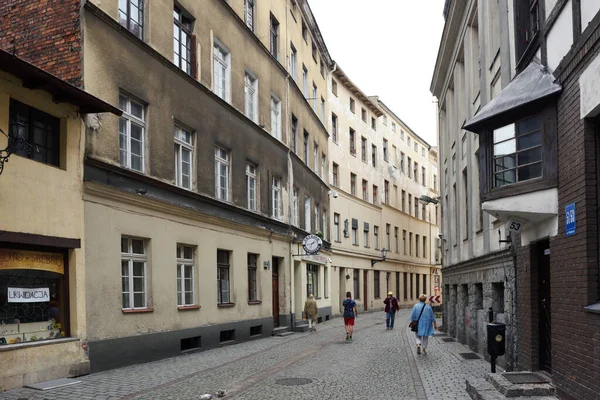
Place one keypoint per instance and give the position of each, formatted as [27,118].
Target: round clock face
[312,244]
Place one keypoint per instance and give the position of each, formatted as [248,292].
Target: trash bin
[496,339]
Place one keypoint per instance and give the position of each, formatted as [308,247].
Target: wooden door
[275,263]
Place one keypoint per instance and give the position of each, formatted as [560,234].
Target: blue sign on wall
[570,219]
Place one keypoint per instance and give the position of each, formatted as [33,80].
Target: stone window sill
[225,305]
[185,308]
[252,302]
[138,311]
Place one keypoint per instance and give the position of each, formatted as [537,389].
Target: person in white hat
[391,307]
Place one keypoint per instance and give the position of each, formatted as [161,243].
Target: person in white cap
[391,307]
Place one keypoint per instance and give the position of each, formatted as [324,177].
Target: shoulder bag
[414,326]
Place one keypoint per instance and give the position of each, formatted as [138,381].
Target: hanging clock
[312,244]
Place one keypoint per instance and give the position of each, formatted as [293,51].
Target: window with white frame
[312,280]
[324,227]
[316,157]
[275,117]
[376,237]
[223,266]
[182,40]
[323,109]
[294,138]
[295,210]
[293,63]
[249,14]
[133,273]
[307,224]
[185,275]
[132,127]
[274,36]
[323,166]
[251,96]
[251,182]
[304,81]
[184,151]
[221,173]
[276,200]
[314,97]
[222,72]
[131,16]
[336,227]
[393,127]
[252,277]
[316,217]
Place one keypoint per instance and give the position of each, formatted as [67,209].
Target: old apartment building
[522,77]
[383,238]
[204,186]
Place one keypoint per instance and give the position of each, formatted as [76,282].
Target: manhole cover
[525,377]
[469,356]
[293,381]
[449,339]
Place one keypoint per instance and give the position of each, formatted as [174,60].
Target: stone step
[284,334]
[509,389]
[482,389]
[279,330]
[301,327]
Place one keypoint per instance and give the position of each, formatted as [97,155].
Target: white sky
[388,49]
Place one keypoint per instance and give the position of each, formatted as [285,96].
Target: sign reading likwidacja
[28,295]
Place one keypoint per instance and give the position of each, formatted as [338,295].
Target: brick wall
[45,33]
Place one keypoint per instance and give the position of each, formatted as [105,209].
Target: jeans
[389,319]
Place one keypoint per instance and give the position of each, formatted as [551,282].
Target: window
[388,237]
[356,281]
[363,147]
[295,211]
[334,87]
[385,149]
[374,155]
[417,245]
[223,290]
[249,14]
[352,105]
[325,282]
[314,51]
[276,200]
[385,119]
[353,184]
[322,68]
[409,203]
[366,234]
[417,284]
[454,163]
[373,123]
[314,97]
[409,167]
[251,174]
[324,224]
[416,171]
[405,285]
[133,272]
[316,158]
[323,166]
[365,193]
[132,126]
[294,134]
[402,135]
[416,147]
[251,96]
[275,117]
[317,210]
[395,155]
[376,237]
[182,41]
[408,142]
[312,280]
[423,176]
[402,162]
[304,32]
[375,195]
[352,142]
[323,109]
[293,63]
[463,146]
[404,241]
[386,192]
[131,16]
[185,275]
[518,152]
[336,227]
[274,36]
[393,127]
[434,183]
[354,232]
[184,150]
[423,151]
[416,207]
[396,239]
[376,284]
[252,276]
[410,246]
[304,81]
[334,127]
[423,212]
[336,181]
[307,224]
[403,200]
[424,246]
[42,131]
[222,72]
[221,174]
[305,148]
[363,114]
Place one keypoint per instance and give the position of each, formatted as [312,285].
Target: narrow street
[378,364]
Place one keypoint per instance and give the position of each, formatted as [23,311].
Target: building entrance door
[544,296]
[365,296]
[275,263]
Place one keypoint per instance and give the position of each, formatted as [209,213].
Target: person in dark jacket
[391,307]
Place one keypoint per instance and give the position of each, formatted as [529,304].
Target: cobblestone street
[378,364]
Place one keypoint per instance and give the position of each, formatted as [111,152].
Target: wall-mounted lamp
[426,199]
[333,193]
[16,143]
[383,255]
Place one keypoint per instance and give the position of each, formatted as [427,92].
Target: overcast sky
[387,48]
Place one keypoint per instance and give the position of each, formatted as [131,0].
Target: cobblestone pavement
[378,364]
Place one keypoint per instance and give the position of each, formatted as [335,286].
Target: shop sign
[28,295]
[23,259]
[316,259]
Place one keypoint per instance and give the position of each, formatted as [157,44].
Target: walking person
[311,312]
[391,307]
[422,322]
[350,313]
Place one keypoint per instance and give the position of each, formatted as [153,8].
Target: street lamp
[426,199]
[16,143]
[383,255]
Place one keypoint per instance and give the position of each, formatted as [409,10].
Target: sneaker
[424,351]
[350,338]
[347,336]
[418,349]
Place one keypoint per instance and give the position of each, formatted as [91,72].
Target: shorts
[349,321]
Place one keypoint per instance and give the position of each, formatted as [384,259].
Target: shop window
[133,273]
[312,280]
[33,296]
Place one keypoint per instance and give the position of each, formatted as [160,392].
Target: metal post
[491,315]
[493,362]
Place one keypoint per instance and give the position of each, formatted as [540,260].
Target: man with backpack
[391,307]
[350,313]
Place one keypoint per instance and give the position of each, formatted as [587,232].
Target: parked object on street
[391,307]
[496,334]
[311,312]
[350,313]
[423,320]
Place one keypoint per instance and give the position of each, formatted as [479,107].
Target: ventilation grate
[469,356]
[448,339]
